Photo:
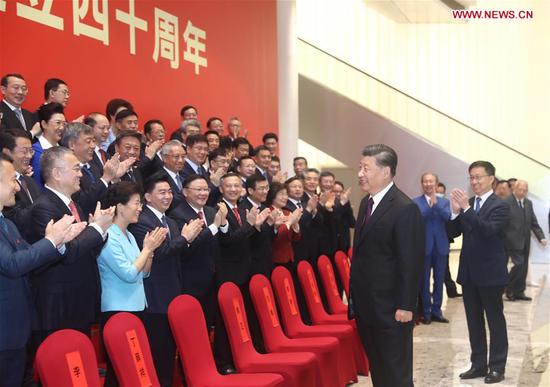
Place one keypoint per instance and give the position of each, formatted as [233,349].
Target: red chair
[333,296]
[326,349]
[128,347]
[189,329]
[283,286]
[343,266]
[319,316]
[67,358]
[298,368]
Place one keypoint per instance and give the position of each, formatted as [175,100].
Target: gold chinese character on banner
[133,22]
[40,15]
[166,38]
[101,17]
[192,36]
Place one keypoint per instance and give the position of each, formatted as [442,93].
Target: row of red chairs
[327,353]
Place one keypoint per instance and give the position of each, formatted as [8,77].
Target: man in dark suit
[518,239]
[164,282]
[388,256]
[14,89]
[17,260]
[16,144]
[173,155]
[436,212]
[344,216]
[482,271]
[262,157]
[128,146]
[66,293]
[100,126]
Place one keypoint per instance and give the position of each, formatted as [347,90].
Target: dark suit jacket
[260,245]
[308,246]
[178,196]
[20,214]
[388,259]
[164,282]
[138,178]
[482,258]
[96,164]
[197,272]
[235,262]
[344,220]
[67,292]
[522,222]
[215,195]
[91,192]
[17,259]
[10,120]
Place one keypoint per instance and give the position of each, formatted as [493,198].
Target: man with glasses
[482,270]
[56,90]
[173,156]
[14,90]
[16,144]
[128,146]
[100,126]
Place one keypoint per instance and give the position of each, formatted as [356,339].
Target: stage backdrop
[220,56]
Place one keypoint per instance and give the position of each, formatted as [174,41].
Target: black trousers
[389,350]
[518,273]
[450,285]
[480,303]
[163,346]
[12,367]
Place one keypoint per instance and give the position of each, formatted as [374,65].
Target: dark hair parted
[152,181]
[52,84]
[194,139]
[487,166]
[120,193]
[253,180]
[191,178]
[45,112]
[384,155]
[116,103]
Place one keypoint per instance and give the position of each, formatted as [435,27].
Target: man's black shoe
[511,297]
[523,297]
[473,373]
[440,319]
[426,320]
[494,377]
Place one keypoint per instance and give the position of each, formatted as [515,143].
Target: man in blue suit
[483,271]
[435,211]
[17,259]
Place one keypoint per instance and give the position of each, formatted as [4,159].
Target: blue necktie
[87,172]
[478,205]
[201,171]
[3,224]
[19,115]
[165,224]
[178,182]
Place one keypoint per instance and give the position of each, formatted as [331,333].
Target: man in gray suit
[518,239]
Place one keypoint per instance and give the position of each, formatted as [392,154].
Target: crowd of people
[152,218]
[122,218]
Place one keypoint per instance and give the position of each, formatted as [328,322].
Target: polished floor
[441,351]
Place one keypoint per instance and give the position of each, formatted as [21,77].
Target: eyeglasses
[177,157]
[199,190]
[58,123]
[477,178]
[26,150]
[64,92]
[18,88]
[265,189]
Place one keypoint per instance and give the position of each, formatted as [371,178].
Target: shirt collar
[61,196]
[377,198]
[11,106]
[484,197]
[229,205]
[294,201]
[44,142]
[193,165]
[157,213]
[254,204]
[172,174]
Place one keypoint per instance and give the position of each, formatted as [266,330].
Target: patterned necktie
[25,187]
[298,204]
[201,216]
[179,182]
[478,205]
[236,213]
[19,115]
[103,156]
[165,224]
[368,212]
[74,211]
[86,170]
[201,171]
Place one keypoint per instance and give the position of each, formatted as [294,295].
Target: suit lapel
[381,209]
[487,205]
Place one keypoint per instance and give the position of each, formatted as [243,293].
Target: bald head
[521,188]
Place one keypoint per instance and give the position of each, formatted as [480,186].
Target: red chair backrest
[67,358]
[343,265]
[283,285]
[234,316]
[266,310]
[306,276]
[328,280]
[128,348]
[189,330]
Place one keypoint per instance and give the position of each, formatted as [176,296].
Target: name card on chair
[313,287]
[290,298]
[271,307]
[76,369]
[240,320]
[137,357]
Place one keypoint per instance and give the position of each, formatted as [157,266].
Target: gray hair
[191,122]
[49,158]
[384,155]
[73,131]
[167,146]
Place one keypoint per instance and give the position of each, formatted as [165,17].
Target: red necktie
[74,211]
[103,156]
[236,212]
[368,212]
[201,215]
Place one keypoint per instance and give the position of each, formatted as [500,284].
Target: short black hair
[240,141]
[116,103]
[226,142]
[194,139]
[125,113]
[4,81]
[260,148]
[212,132]
[327,173]
[338,182]
[314,170]
[274,189]
[291,179]
[46,111]
[212,119]
[4,157]
[148,125]
[152,181]
[121,192]
[187,107]
[486,165]
[298,158]
[384,155]
[245,158]
[499,182]
[229,174]
[269,135]
[512,180]
[8,137]
[52,84]
[440,184]
[216,153]
[253,180]
[275,158]
[191,178]
[127,133]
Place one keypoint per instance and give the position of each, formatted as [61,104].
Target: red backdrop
[240,47]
